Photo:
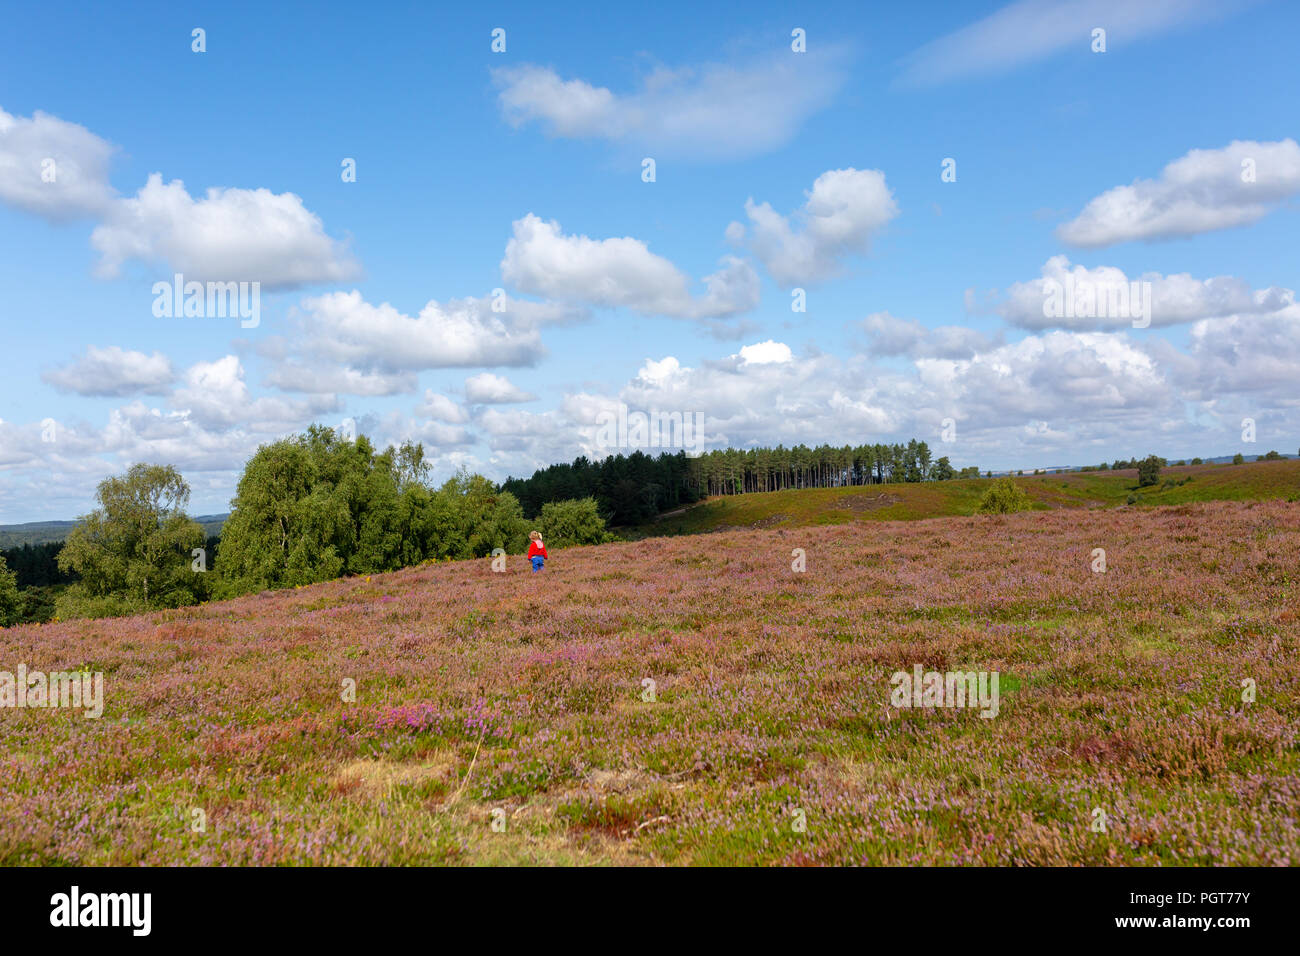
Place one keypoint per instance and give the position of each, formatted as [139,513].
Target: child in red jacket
[536,550]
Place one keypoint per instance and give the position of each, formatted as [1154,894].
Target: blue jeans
[538,561]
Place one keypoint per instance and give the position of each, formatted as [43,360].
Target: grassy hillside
[770,736]
[896,502]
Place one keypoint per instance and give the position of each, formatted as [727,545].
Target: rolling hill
[1253,481]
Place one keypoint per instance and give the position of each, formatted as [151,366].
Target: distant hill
[42,532]
[1251,481]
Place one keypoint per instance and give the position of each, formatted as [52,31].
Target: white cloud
[1032,30]
[842,212]
[489,389]
[711,112]
[74,186]
[619,272]
[215,395]
[230,235]
[1175,299]
[113,371]
[1051,398]
[1205,190]
[1043,399]
[440,408]
[766,353]
[463,333]
[889,335]
[318,377]
[1252,357]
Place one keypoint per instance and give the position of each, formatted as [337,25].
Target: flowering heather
[476,692]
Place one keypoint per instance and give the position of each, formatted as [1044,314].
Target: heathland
[700,700]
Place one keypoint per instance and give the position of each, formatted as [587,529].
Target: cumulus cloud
[113,372]
[216,396]
[844,209]
[1046,397]
[1054,397]
[765,353]
[1032,30]
[1206,190]
[52,168]
[712,112]
[312,376]
[462,333]
[59,170]
[1175,299]
[1250,356]
[440,408]
[489,389]
[344,345]
[229,235]
[619,272]
[889,336]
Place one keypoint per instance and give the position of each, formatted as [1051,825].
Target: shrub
[1004,496]
[11,602]
[568,523]
[1148,471]
[79,601]
[1238,459]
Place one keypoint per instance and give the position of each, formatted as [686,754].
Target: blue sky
[522,171]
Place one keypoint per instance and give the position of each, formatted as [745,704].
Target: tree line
[635,488]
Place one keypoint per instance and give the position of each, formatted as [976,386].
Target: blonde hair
[535,535]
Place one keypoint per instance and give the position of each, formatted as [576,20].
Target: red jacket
[536,548]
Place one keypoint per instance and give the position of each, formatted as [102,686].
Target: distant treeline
[635,488]
[37,565]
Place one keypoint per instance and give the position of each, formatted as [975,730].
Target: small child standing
[536,550]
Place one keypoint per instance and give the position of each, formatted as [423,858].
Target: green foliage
[1238,459]
[568,523]
[1004,496]
[78,601]
[37,564]
[943,470]
[135,547]
[315,506]
[483,517]
[11,602]
[1149,471]
[40,603]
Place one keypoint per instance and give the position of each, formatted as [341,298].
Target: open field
[479,692]
[1253,481]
